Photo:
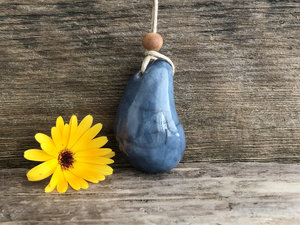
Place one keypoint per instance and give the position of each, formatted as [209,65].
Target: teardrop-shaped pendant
[147,127]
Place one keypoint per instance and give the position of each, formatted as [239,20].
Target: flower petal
[93,131]
[86,138]
[94,160]
[82,182]
[110,155]
[60,124]
[85,124]
[65,136]
[42,171]
[94,152]
[82,128]
[104,169]
[87,172]
[72,179]
[47,144]
[57,138]
[54,179]
[97,142]
[62,184]
[73,130]
[37,155]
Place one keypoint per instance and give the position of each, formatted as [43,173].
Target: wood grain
[194,193]
[236,86]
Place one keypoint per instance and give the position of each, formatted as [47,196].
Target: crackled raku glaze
[147,127]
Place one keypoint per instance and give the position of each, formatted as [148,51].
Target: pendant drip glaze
[147,127]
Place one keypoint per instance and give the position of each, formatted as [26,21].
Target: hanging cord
[154,16]
[154,55]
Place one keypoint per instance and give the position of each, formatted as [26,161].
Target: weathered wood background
[237,93]
[237,86]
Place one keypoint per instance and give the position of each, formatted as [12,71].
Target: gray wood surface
[236,87]
[237,93]
[193,193]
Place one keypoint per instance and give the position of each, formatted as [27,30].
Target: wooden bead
[152,41]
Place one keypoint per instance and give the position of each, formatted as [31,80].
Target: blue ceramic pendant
[147,127]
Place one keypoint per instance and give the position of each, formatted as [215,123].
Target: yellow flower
[72,154]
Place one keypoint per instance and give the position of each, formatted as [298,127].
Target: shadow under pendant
[147,127]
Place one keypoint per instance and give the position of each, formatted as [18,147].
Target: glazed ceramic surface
[147,127]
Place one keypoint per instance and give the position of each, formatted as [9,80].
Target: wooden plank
[194,193]
[236,86]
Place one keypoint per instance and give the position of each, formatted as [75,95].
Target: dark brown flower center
[66,159]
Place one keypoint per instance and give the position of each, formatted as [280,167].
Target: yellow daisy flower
[72,154]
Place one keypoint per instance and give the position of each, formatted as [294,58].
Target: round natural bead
[152,41]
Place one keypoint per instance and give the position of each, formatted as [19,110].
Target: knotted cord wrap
[154,55]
